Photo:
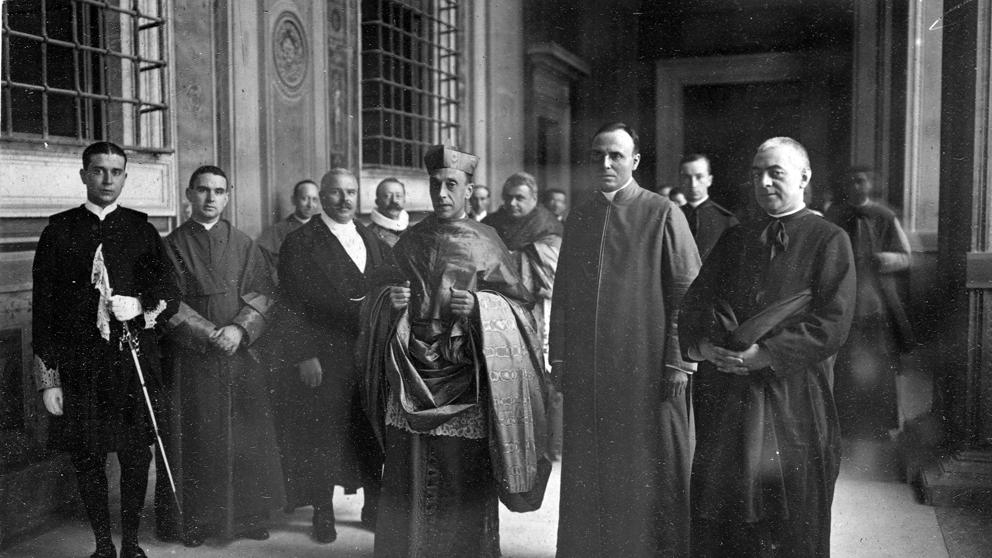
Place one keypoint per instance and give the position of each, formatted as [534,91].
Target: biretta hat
[444,157]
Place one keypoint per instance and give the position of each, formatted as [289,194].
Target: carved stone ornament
[290,51]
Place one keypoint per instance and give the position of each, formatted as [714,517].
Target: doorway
[728,121]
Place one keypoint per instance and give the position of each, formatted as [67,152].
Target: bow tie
[775,238]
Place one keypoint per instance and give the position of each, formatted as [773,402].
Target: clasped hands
[227,339]
[739,363]
[462,302]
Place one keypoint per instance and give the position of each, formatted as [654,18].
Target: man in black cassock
[454,381]
[626,261]
[223,441]
[87,375]
[771,307]
[325,440]
[707,219]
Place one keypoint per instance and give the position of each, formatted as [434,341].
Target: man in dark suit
[707,219]
[324,270]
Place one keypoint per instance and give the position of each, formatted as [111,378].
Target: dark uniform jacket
[707,221]
[103,404]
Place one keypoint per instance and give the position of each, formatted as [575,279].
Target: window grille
[412,83]
[76,71]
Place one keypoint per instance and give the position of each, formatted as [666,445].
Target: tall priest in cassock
[223,439]
[626,261]
[771,307]
[454,380]
[86,374]
[325,438]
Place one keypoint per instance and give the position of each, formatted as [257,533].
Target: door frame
[673,75]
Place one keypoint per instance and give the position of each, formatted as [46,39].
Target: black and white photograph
[484,278]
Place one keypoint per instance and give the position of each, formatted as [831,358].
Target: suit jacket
[322,436]
[324,290]
[707,222]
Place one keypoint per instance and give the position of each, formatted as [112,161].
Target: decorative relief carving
[290,51]
[193,98]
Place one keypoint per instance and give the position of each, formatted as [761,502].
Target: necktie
[692,215]
[775,238]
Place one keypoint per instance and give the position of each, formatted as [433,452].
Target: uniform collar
[100,212]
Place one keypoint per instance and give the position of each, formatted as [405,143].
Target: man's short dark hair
[389,180]
[208,169]
[296,188]
[546,194]
[102,148]
[693,157]
[614,126]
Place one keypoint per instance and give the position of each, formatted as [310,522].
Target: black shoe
[168,533]
[105,550]
[323,525]
[370,513]
[132,550]
[256,534]
[194,537]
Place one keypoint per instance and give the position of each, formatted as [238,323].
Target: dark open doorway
[728,121]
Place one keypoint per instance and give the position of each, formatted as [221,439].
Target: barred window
[82,70]
[412,83]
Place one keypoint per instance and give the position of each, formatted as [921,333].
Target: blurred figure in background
[556,201]
[867,366]
[306,204]
[478,204]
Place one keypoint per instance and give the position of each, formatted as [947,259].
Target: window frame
[160,134]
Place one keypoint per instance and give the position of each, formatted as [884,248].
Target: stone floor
[874,516]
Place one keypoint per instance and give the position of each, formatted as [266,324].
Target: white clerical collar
[696,204]
[337,228]
[801,207]
[395,225]
[100,212]
[611,195]
[207,226]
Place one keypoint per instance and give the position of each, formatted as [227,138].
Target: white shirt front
[696,204]
[207,226]
[348,236]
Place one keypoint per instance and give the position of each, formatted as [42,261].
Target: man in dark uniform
[86,373]
[707,219]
